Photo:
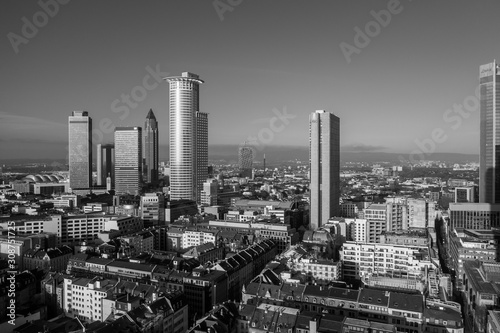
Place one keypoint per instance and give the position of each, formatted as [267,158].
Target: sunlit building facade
[185,167]
[324,160]
[128,159]
[80,150]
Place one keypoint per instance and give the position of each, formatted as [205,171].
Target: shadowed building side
[151,148]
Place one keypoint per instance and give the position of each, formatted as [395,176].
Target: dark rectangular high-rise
[105,164]
[151,148]
[324,160]
[489,179]
[201,152]
[80,150]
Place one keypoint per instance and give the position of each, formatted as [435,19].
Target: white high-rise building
[80,150]
[82,297]
[188,138]
[209,193]
[324,160]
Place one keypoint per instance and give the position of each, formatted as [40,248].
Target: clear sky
[262,56]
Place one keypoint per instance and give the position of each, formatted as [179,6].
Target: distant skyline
[262,58]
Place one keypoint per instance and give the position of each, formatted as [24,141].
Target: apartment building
[384,260]
[83,297]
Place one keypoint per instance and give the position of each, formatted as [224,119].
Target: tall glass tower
[151,148]
[128,160]
[80,150]
[489,157]
[324,160]
[188,128]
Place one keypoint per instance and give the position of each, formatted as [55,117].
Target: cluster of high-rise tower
[133,158]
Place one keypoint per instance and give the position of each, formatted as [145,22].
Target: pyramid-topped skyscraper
[150,150]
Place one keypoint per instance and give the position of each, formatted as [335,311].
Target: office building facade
[128,159]
[489,157]
[184,134]
[105,164]
[245,161]
[151,148]
[201,152]
[324,160]
[80,150]
[474,215]
[153,208]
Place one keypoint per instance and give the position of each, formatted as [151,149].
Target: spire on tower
[151,115]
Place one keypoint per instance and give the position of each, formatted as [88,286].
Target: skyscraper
[151,148]
[128,159]
[201,152]
[188,137]
[105,164]
[245,161]
[80,150]
[489,157]
[324,160]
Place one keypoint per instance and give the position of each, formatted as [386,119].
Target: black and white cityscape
[232,166]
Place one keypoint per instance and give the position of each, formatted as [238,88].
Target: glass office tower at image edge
[489,157]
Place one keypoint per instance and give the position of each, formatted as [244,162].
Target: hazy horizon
[259,61]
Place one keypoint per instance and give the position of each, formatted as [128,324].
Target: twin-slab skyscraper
[134,157]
